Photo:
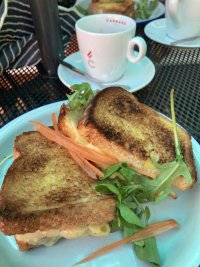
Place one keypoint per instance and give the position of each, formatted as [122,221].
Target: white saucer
[136,77]
[156,31]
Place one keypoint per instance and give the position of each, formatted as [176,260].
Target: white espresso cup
[182,18]
[106,42]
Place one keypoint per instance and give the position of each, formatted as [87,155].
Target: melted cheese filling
[48,238]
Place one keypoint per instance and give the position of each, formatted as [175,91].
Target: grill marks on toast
[44,177]
[122,119]
[97,211]
[117,123]
[45,189]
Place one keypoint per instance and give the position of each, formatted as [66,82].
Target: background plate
[157,31]
[177,248]
[157,12]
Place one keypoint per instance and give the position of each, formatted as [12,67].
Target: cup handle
[172,9]
[141,44]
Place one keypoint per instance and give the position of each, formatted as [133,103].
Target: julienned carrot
[82,151]
[93,168]
[82,164]
[90,169]
[152,229]
[87,153]
[54,121]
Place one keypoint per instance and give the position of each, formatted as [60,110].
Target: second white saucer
[157,31]
[135,78]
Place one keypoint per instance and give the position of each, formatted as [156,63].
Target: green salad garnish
[144,8]
[132,216]
[132,191]
[82,94]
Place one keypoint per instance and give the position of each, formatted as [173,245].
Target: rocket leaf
[81,96]
[170,171]
[131,189]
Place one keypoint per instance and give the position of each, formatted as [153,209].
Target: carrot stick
[87,153]
[62,140]
[79,161]
[54,121]
[90,169]
[94,168]
[150,230]
[92,172]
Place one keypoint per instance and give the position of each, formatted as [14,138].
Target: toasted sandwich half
[116,123]
[46,196]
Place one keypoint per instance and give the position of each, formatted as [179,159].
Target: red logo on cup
[91,64]
[89,54]
[90,61]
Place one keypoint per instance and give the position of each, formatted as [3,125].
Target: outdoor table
[22,90]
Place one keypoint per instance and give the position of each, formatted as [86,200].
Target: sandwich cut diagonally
[46,196]
[116,123]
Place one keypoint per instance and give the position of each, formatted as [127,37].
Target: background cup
[182,18]
[105,42]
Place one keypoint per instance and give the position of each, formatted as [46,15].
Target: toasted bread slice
[118,124]
[50,237]
[45,189]
[102,7]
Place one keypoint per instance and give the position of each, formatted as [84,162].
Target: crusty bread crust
[44,189]
[68,121]
[117,123]
[98,211]
[24,245]
[64,122]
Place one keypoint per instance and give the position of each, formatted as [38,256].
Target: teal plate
[178,248]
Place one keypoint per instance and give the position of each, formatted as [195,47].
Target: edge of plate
[28,114]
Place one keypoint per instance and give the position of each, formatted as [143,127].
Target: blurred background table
[22,90]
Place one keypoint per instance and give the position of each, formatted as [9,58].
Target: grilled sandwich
[46,196]
[124,7]
[116,123]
